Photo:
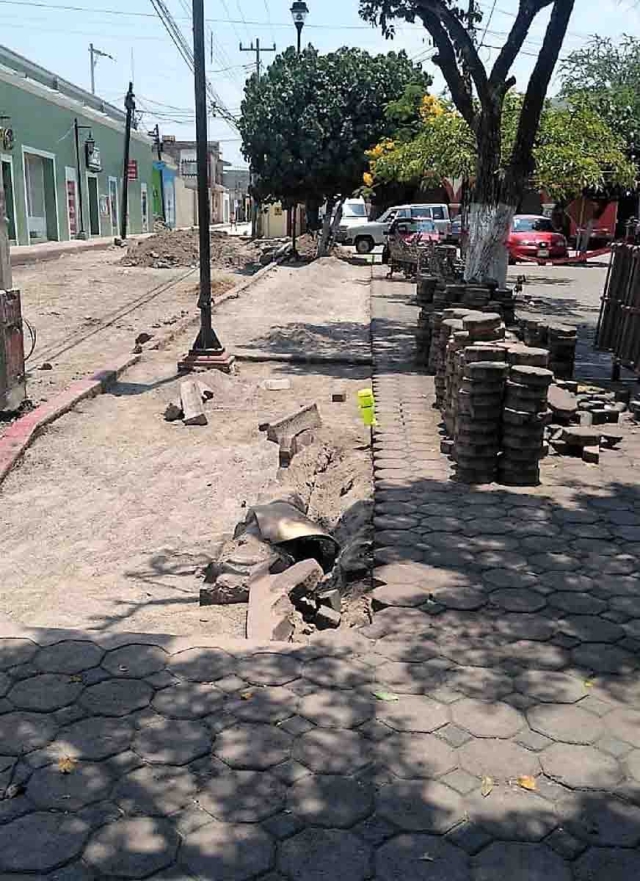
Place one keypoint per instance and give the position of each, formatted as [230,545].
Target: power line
[268,11]
[493,9]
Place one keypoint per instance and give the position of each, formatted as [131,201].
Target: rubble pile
[169,248]
[576,411]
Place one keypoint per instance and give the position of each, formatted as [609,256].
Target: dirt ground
[182,248]
[113,511]
[87,310]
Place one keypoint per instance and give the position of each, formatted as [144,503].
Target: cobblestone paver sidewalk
[484,727]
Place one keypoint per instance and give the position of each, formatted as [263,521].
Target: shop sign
[92,155]
[132,170]
[71,207]
[6,138]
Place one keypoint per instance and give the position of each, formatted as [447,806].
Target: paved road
[502,742]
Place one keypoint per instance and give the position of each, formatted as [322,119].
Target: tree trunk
[329,226]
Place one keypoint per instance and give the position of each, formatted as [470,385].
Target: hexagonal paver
[267,668]
[332,751]
[155,790]
[135,661]
[44,693]
[22,732]
[337,709]
[567,581]
[508,578]
[413,651]
[172,741]
[94,739]
[623,723]
[550,687]
[411,678]
[202,664]
[16,651]
[133,848]
[188,700]
[49,788]
[591,628]
[116,697]
[70,656]
[242,796]
[512,814]
[232,852]
[603,658]
[480,682]
[520,862]
[580,767]
[319,854]
[487,719]
[518,600]
[539,655]
[416,755]
[565,722]
[610,863]
[265,704]
[418,714]
[40,842]
[420,806]
[253,746]
[600,819]
[500,759]
[576,603]
[421,858]
[331,801]
[631,762]
[336,673]
[630,605]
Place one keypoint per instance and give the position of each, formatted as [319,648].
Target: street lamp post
[299,13]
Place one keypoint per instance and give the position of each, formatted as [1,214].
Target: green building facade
[61,152]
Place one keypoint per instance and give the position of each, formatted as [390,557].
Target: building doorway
[9,196]
[144,204]
[113,205]
[94,205]
[41,198]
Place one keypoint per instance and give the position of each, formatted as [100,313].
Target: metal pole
[130,104]
[6,281]
[159,149]
[93,69]
[81,234]
[256,218]
[207,338]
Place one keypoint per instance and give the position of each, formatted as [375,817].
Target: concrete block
[591,455]
[327,618]
[331,598]
[191,400]
[227,590]
[276,385]
[289,426]
[301,578]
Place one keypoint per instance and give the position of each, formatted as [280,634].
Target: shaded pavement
[502,741]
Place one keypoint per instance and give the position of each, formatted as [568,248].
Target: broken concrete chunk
[227,590]
[338,394]
[562,403]
[326,618]
[591,455]
[172,412]
[581,436]
[300,579]
[205,392]
[143,338]
[289,426]
[191,400]
[331,597]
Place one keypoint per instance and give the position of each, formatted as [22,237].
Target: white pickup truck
[365,236]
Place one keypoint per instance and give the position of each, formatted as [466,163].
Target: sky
[129,30]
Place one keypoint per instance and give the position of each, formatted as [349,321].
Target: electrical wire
[33,333]
[493,9]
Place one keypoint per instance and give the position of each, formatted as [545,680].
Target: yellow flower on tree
[367,179]
[431,107]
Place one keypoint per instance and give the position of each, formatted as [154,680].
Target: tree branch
[458,34]
[533,104]
[527,11]
[448,64]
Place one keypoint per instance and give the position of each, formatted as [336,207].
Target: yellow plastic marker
[367,406]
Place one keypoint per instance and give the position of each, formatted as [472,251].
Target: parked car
[366,236]
[455,233]
[534,236]
[354,212]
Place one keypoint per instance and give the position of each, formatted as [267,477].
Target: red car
[534,236]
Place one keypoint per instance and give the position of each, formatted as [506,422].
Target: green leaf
[385,696]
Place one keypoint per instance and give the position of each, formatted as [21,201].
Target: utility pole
[6,282]
[255,213]
[157,141]
[207,351]
[94,54]
[81,233]
[130,105]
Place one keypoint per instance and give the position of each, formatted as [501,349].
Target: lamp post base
[206,359]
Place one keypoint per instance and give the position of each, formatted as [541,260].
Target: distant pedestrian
[234,222]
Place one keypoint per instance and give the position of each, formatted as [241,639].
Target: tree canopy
[307,123]
[574,149]
[605,74]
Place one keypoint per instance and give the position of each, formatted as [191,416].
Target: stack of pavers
[561,342]
[523,422]
[425,290]
[450,324]
[480,400]
[454,374]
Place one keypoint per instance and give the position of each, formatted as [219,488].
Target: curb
[295,358]
[19,436]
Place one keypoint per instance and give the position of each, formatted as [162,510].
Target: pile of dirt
[170,248]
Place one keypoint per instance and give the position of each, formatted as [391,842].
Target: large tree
[479,95]
[308,121]
[574,150]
